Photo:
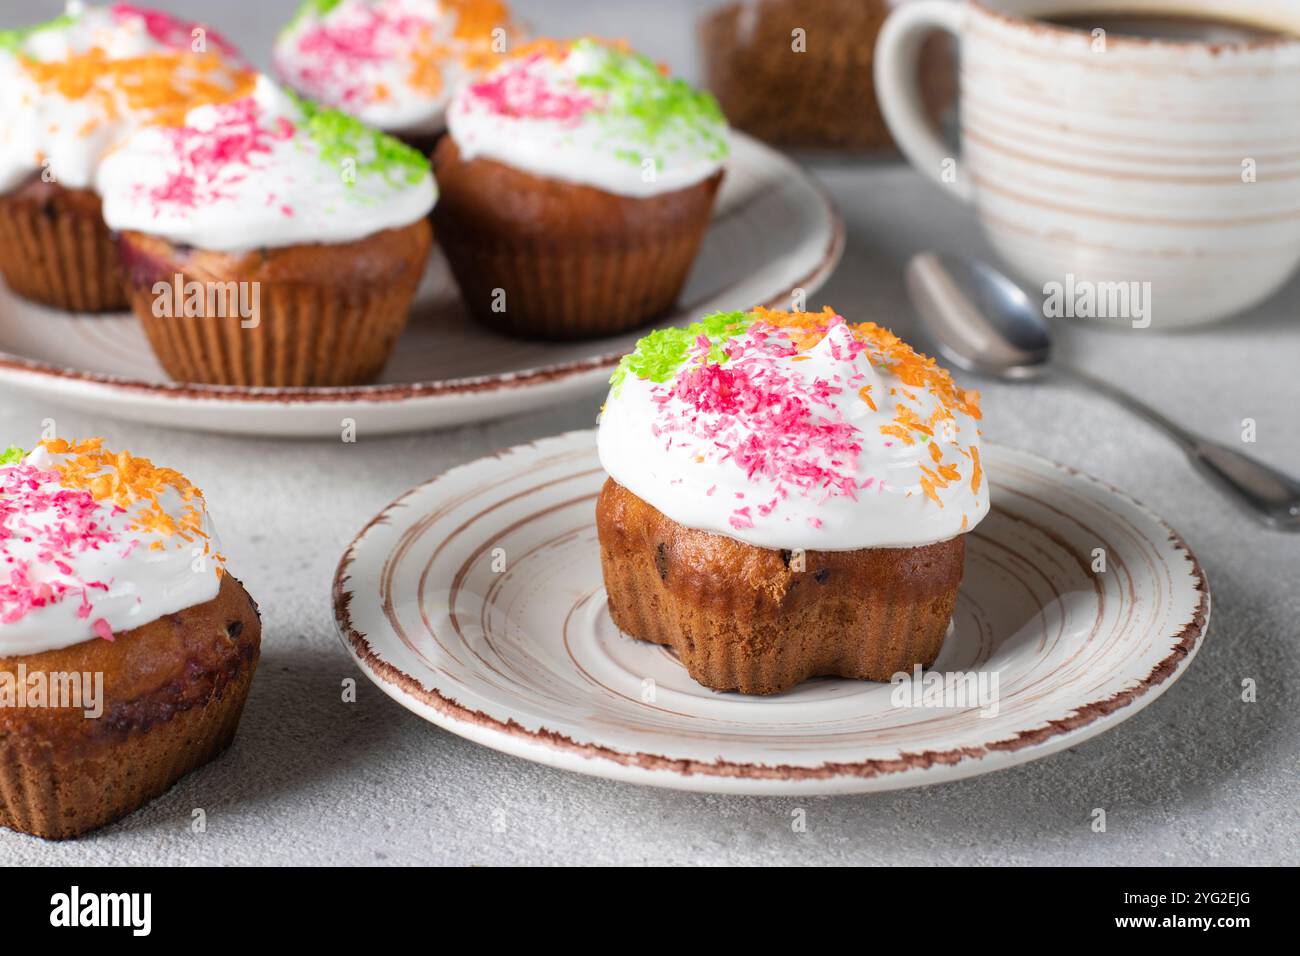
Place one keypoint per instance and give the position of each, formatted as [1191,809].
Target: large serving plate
[476,601]
[774,231]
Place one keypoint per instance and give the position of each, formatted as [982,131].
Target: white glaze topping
[592,113]
[264,170]
[793,431]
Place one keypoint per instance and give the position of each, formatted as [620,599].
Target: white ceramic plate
[774,230]
[525,658]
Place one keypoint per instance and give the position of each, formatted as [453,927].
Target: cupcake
[798,73]
[126,651]
[393,64]
[269,242]
[788,496]
[577,182]
[69,90]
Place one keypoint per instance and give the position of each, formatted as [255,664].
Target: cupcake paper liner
[310,330]
[553,290]
[538,257]
[58,252]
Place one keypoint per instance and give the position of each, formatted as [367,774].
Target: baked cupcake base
[55,249]
[822,101]
[750,619]
[541,258]
[173,693]
[327,314]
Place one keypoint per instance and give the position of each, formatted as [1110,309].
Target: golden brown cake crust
[329,314]
[746,618]
[173,691]
[572,260]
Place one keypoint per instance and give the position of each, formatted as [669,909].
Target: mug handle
[898,53]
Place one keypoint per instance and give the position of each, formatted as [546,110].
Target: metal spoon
[984,322]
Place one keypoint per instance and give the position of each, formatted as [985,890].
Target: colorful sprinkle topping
[14,40]
[161,85]
[637,103]
[234,141]
[660,354]
[341,137]
[773,394]
[130,484]
[343,52]
[54,515]
[174,32]
[210,156]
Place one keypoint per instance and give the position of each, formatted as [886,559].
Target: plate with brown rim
[774,231]
[475,600]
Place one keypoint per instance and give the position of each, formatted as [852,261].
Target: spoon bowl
[980,320]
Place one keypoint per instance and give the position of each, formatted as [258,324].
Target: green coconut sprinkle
[13,40]
[641,100]
[320,8]
[340,137]
[12,455]
[660,354]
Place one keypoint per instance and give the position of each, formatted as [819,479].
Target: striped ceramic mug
[1106,163]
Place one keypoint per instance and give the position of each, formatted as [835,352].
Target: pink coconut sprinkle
[778,426]
[520,90]
[207,162]
[62,523]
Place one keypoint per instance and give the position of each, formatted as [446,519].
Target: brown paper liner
[751,619]
[539,258]
[327,315]
[55,249]
[173,694]
[822,99]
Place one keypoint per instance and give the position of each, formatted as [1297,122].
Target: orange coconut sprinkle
[132,484]
[165,86]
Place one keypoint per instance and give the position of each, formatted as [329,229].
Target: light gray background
[1199,777]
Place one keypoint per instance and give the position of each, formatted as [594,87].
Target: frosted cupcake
[393,64]
[69,90]
[269,242]
[577,183]
[788,496]
[126,650]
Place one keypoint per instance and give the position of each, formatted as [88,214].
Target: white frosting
[278,185]
[557,118]
[63,138]
[140,582]
[714,465]
[394,64]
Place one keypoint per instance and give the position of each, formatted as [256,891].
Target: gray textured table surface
[1198,777]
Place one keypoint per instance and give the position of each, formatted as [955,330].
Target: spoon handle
[1267,493]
